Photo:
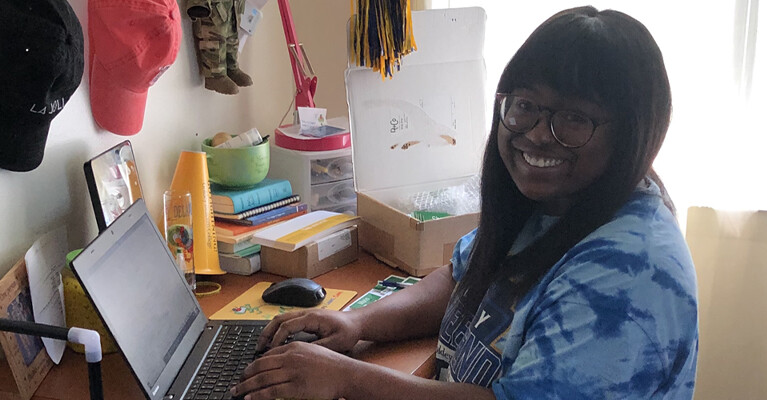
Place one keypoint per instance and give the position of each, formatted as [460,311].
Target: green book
[256,248]
[234,248]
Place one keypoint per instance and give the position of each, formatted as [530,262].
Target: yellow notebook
[299,231]
[249,305]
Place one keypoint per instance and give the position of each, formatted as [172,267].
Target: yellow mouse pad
[249,305]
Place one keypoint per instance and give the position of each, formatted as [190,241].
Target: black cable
[94,376]
[56,332]
[33,329]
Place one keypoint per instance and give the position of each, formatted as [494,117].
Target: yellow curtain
[730,254]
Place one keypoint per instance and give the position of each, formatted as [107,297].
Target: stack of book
[239,213]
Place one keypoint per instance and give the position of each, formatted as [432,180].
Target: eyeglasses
[569,128]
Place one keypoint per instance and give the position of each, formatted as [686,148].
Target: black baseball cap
[41,65]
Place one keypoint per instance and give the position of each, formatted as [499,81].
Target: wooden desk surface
[69,380]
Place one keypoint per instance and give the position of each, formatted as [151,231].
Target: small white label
[311,117]
[250,16]
[159,74]
[334,243]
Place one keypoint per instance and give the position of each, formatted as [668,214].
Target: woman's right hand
[337,330]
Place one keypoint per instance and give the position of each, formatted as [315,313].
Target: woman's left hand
[298,369]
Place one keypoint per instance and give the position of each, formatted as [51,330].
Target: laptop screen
[142,297]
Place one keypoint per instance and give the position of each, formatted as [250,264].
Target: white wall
[180,112]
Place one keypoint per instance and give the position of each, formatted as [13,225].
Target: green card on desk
[391,284]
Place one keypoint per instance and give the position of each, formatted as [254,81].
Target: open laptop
[146,305]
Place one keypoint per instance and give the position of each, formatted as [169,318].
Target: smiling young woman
[549,144]
[577,282]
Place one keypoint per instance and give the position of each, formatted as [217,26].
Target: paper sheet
[250,17]
[44,260]
[249,305]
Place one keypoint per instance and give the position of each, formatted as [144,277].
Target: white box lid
[427,123]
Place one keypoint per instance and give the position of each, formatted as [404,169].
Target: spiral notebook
[258,210]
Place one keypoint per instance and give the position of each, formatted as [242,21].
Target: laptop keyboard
[232,351]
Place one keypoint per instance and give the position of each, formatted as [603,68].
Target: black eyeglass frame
[502,97]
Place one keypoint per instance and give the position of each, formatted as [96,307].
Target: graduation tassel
[381,33]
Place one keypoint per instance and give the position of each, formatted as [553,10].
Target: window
[714,153]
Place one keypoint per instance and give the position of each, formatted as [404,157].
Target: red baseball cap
[132,42]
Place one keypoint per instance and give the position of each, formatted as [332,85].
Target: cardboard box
[422,130]
[401,241]
[315,258]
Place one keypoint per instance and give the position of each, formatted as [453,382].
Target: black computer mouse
[299,292]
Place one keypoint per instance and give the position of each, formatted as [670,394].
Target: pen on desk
[397,285]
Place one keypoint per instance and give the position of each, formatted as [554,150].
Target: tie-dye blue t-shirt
[615,318]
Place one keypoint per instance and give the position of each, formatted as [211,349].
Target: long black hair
[605,57]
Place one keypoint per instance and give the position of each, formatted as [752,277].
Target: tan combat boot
[221,84]
[239,77]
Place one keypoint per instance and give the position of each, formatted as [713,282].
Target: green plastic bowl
[240,167]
